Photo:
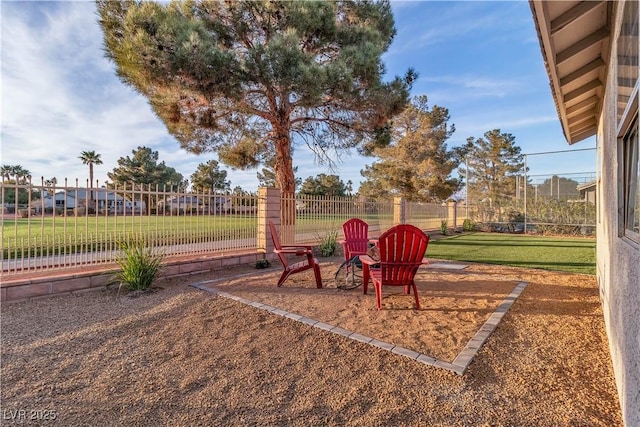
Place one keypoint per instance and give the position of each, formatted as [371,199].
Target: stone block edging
[459,364]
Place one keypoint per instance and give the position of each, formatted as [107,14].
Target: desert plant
[328,243]
[140,265]
[443,227]
[467,225]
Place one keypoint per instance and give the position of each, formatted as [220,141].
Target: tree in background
[239,191]
[417,165]
[494,161]
[90,158]
[50,185]
[372,189]
[349,187]
[558,186]
[24,196]
[51,182]
[245,78]
[6,172]
[17,172]
[209,177]
[143,169]
[267,176]
[323,185]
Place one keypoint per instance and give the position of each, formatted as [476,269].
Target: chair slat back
[277,245]
[356,237]
[401,251]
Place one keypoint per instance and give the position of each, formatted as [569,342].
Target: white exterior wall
[618,263]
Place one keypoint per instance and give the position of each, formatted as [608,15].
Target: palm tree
[90,158]
[51,182]
[6,171]
[17,171]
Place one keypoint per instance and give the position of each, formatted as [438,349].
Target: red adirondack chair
[284,251]
[356,238]
[402,249]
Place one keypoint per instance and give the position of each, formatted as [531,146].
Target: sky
[61,96]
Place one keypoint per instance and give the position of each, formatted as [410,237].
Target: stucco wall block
[97,279]
[71,284]
[228,262]
[28,291]
[170,270]
[102,280]
[248,259]
[190,267]
[212,264]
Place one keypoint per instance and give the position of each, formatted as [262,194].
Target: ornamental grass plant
[328,243]
[140,265]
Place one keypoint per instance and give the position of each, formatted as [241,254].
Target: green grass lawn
[53,235]
[575,255]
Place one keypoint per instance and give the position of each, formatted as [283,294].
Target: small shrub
[443,227]
[263,263]
[140,266]
[467,225]
[328,243]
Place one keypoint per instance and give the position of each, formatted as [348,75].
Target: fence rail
[547,203]
[58,227]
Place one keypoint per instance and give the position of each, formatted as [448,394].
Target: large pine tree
[417,165]
[208,177]
[494,162]
[142,171]
[244,78]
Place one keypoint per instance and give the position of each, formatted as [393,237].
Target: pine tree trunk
[285,181]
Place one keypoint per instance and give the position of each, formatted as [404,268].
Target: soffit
[575,41]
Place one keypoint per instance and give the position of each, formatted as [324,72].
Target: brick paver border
[459,364]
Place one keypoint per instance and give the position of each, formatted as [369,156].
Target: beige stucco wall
[618,264]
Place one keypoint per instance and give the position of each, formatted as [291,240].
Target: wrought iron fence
[317,215]
[541,208]
[430,215]
[62,226]
[57,227]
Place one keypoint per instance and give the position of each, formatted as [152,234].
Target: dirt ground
[183,356]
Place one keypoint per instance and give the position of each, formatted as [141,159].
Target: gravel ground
[181,356]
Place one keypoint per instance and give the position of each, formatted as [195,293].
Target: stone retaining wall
[39,285]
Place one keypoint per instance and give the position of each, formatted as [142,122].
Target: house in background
[102,200]
[179,205]
[587,191]
[61,199]
[591,53]
[191,204]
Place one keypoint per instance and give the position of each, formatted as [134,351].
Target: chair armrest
[308,248]
[366,259]
[297,250]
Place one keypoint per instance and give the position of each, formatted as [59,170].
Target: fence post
[399,210]
[268,210]
[452,216]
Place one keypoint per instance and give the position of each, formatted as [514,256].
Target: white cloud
[61,97]
[452,89]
